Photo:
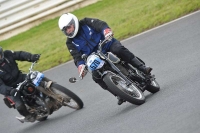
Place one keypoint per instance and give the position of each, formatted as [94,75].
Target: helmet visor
[69,29]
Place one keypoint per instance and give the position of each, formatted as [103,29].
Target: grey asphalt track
[173,50]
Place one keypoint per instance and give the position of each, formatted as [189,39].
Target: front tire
[130,93]
[70,99]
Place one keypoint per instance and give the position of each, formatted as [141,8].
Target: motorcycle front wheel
[118,86]
[69,98]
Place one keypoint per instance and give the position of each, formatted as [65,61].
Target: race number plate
[38,78]
[94,62]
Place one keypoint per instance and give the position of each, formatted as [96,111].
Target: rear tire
[117,85]
[71,98]
[153,87]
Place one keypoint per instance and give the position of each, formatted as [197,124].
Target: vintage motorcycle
[42,96]
[123,80]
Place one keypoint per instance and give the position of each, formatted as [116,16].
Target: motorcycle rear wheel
[70,99]
[153,87]
[118,86]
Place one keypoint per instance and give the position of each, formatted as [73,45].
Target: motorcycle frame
[100,53]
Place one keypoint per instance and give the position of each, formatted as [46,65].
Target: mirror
[72,80]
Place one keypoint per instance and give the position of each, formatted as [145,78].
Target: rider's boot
[120,100]
[21,119]
[98,80]
[140,66]
[28,118]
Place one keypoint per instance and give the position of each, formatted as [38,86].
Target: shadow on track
[49,122]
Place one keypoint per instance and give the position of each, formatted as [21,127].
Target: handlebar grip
[84,57]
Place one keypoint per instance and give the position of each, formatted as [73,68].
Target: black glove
[35,57]
[12,92]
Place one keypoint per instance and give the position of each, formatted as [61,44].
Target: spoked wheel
[69,98]
[129,93]
[153,87]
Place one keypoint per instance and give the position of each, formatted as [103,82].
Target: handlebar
[32,65]
[101,44]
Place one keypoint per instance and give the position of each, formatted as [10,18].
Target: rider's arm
[25,56]
[20,55]
[4,89]
[74,52]
[95,24]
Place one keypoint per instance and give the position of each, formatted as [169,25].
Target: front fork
[45,87]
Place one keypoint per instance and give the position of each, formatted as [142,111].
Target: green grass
[125,17]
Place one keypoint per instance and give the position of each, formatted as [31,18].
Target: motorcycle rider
[84,36]
[10,76]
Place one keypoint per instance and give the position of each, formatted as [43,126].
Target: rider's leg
[19,105]
[21,108]
[118,49]
[97,78]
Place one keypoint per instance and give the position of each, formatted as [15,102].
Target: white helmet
[1,55]
[67,20]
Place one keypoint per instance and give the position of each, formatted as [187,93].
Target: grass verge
[125,17]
